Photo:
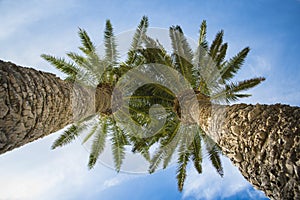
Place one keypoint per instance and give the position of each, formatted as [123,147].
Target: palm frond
[61,64]
[156,160]
[140,145]
[170,144]
[137,40]
[118,150]
[154,52]
[167,147]
[98,144]
[145,153]
[214,156]
[234,64]
[202,37]
[182,162]
[88,46]
[139,33]
[78,59]
[221,55]
[91,67]
[214,152]
[168,156]
[119,141]
[216,44]
[247,84]
[111,54]
[170,150]
[68,136]
[182,54]
[197,153]
[91,133]
[199,62]
[231,90]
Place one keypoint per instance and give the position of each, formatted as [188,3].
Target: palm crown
[206,69]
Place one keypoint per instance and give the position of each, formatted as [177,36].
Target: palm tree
[92,71]
[35,104]
[256,138]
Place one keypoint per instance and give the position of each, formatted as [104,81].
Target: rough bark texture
[263,141]
[34,104]
[103,92]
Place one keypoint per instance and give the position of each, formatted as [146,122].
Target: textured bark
[263,141]
[103,92]
[34,104]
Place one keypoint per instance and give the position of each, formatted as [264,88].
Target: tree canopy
[206,69]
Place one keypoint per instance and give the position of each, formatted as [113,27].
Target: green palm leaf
[231,91]
[137,40]
[118,150]
[234,64]
[78,59]
[197,153]
[221,55]
[88,47]
[68,136]
[139,33]
[111,54]
[119,141]
[182,162]
[155,52]
[202,37]
[170,149]
[89,67]
[214,152]
[216,44]
[98,143]
[69,68]
[214,156]
[156,160]
[140,146]
[182,54]
[170,143]
[91,133]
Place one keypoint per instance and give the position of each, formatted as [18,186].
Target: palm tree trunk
[263,141]
[34,104]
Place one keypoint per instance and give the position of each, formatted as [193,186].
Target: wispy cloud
[259,65]
[210,185]
[25,35]
[118,180]
[18,15]
[35,172]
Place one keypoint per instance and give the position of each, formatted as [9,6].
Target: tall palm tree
[34,104]
[99,73]
[256,138]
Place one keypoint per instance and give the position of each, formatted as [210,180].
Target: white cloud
[24,34]
[118,180]
[16,15]
[35,172]
[209,185]
[260,65]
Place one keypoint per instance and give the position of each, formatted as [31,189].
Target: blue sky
[30,28]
